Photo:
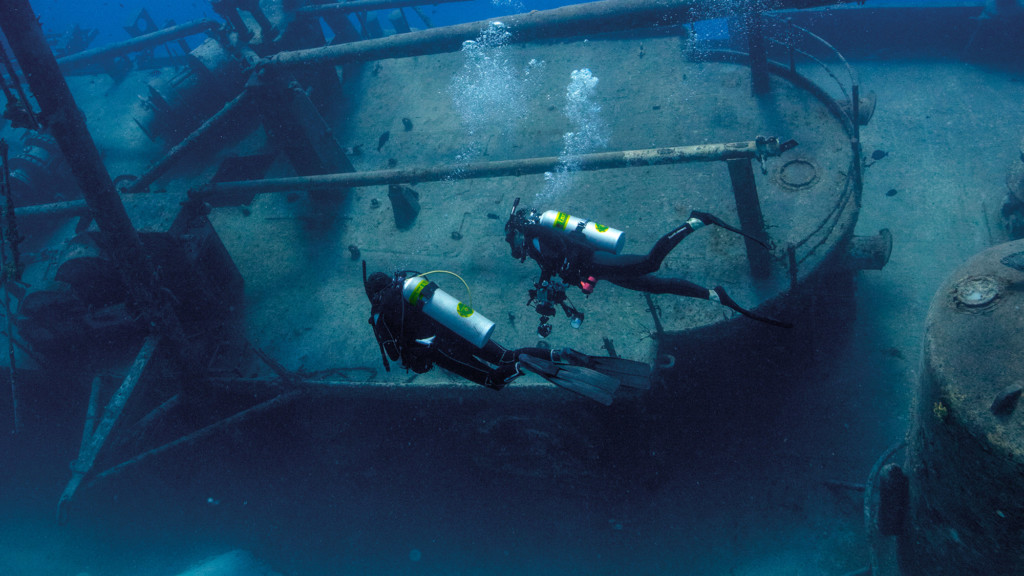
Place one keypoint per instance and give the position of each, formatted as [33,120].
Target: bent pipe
[565,22]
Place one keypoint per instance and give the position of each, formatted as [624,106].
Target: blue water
[725,478]
[109,17]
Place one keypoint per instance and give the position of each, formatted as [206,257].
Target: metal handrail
[788,43]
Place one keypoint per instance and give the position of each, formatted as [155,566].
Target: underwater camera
[544,296]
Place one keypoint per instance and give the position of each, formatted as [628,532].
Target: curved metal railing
[795,41]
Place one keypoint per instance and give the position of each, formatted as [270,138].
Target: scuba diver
[421,325]
[576,252]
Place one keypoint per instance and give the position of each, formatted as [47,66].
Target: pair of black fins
[596,377]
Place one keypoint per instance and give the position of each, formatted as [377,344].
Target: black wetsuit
[577,263]
[406,333]
[571,258]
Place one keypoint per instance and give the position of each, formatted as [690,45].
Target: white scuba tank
[450,312]
[598,236]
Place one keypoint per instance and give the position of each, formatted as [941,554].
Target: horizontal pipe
[363,6]
[54,210]
[143,42]
[596,161]
[565,22]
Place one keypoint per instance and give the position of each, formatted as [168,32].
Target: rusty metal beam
[748,208]
[54,210]
[565,22]
[96,433]
[143,42]
[211,124]
[598,161]
[364,6]
[261,408]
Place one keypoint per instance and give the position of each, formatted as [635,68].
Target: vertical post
[24,116]
[760,82]
[398,20]
[229,11]
[9,271]
[790,41]
[855,110]
[748,207]
[66,122]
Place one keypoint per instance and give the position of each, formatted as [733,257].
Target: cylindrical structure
[443,307]
[39,173]
[966,446]
[177,105]
[598,236]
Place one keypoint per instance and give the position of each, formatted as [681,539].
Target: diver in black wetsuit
[421,325]
[579,253]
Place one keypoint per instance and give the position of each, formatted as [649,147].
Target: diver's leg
[669,241]
[638,265]
[473,369]
[680,287]
[657,285]
[604,264]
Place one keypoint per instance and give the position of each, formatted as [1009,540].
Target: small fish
[383,139]
[407,124]
[879,154]
[1015,261]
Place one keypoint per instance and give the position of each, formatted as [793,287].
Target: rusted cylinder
[39,173]
[565,22]
[136,44]
[869,252]
[175,106]
[596,161]
[965,456]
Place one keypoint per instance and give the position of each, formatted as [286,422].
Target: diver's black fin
[629,373]
[710,219]
[727,301]
[583,381]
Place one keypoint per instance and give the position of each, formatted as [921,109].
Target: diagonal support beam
[93,439]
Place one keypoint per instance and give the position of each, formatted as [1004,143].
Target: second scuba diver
[580,253]
[421,325]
